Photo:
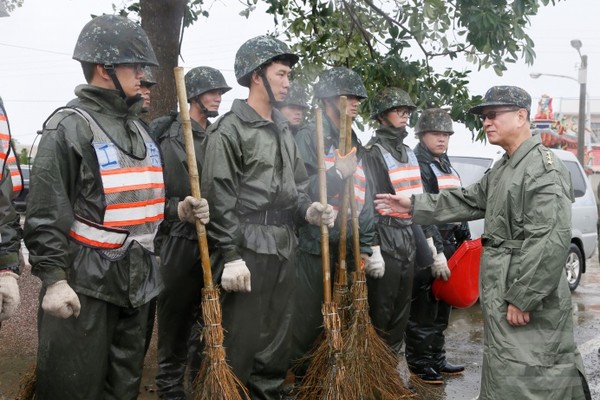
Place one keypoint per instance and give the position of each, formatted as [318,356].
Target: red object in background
[462,289]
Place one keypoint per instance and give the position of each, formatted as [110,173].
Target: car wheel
[573,266]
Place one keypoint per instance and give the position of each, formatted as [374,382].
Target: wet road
[464,342]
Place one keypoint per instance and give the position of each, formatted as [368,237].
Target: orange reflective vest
[360,182]
[8,157]
[405,177]
[135,196]
[445,180]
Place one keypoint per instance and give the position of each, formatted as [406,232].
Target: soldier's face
[211,99]
[436,142]
[352,104]
[278,76]
[398,117]
[145,92]
[294,114]
[129,76]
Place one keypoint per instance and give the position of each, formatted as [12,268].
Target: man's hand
[392,203]
[516,317]
[346,165]
[9,294]
[375,268]
[61,301]
[236,277]
[318,214]
[191,208]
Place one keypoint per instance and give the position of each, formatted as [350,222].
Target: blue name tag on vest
[107,156]
[390,161]
[153,154]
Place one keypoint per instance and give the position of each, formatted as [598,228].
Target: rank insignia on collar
[548,157]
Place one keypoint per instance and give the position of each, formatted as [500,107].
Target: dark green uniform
[526,201]
[308,319]
[429,317]
[254,181]
[179,303]
[100,354]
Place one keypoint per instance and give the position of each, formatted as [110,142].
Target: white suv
[584,237]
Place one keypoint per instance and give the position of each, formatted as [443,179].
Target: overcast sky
[37,74]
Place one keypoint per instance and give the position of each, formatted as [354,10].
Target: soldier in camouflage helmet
[178,310]
[391,166]
[255,55]
[255,182]
[91,223]
[145,84]
[425,353]
[294,106]
[525,198]
[330,86]
[204,87]
[109,41]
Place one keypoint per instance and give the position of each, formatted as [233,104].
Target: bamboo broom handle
[353,209]
[342,247]
[323,200]
[190,153]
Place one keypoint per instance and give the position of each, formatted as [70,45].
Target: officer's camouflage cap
[200,80]
[504,96]
[111,39]
[339,81]
[434,120]
[258,51]
[296,96]
[148,79]
[389,98]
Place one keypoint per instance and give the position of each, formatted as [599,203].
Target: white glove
[236,276]
[191,209]
[439,268]
[375,268]
[346,165]
[9,294]
[431,246]
[317,214]
[61,301]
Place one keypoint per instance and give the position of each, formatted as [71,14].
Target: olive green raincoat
[526,202]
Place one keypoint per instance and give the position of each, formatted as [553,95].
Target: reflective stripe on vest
[135,196]
[446,180]
[405,177]
[8,156]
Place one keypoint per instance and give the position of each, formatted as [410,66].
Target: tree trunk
[162,20]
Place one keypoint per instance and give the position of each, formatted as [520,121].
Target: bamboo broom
[324,379]
[341,291]
[215,380]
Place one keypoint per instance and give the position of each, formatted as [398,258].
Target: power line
[35,49]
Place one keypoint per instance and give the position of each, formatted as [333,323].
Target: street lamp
[576,44]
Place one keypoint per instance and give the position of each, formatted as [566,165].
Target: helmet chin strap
[110,69]
[205,111]
[275,103]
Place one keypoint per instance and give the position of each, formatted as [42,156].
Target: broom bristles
[364,348]
[325,377]
[215,380]
[27,385]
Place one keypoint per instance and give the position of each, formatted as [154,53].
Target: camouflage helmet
[258,51]
[296,96]
[204,79]
[504,96]
[111,39]
[434,120]
[148,78]
[339,81]
[388,99]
